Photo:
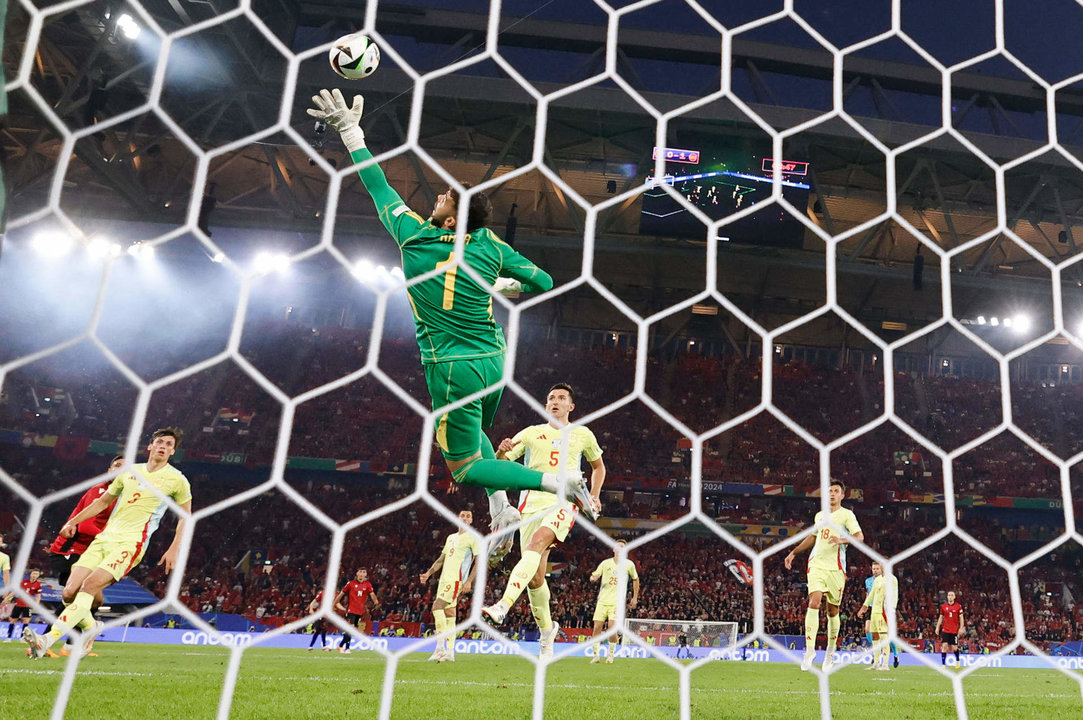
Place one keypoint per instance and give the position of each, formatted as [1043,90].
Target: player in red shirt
[66,551]
[949,625]
[358,591]
[22,610]
[319,626]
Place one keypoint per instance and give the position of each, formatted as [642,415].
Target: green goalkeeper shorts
[458,432]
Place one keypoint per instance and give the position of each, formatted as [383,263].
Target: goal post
[702,638]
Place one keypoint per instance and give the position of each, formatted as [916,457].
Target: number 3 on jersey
[449,281]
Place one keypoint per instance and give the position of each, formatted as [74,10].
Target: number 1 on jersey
[449,281]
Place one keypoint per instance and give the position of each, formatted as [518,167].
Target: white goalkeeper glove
[507,286]
[332,109]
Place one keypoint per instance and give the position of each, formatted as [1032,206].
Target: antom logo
[487,647]
[747,655]
[192,637]
[1069,663]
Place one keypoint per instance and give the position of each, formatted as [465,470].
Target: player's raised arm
[332,109]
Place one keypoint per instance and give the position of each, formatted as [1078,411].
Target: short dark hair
[174,432]
[481,208]
[840,483]
[115,458]
[564,386]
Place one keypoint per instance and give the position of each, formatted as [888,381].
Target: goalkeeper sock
[498,475]
[894,650]
[868,637]
[539,605]
[521,575]
[812,627]
[834,623]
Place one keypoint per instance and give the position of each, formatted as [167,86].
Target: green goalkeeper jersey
[453,314]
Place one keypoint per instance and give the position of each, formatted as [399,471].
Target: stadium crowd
[223,409]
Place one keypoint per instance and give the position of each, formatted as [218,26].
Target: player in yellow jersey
[5,564]
[457,558]
[608,572]
[882,600]
[547,520]
[120,546]
[826,572]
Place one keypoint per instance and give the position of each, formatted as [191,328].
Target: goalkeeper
[462,347]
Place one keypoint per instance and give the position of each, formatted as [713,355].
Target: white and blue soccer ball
[354,56]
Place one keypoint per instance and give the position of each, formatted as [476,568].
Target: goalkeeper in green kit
[462,347]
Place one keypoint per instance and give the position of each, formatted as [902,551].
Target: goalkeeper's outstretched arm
[332,109]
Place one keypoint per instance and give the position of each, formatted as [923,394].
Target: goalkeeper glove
[508,287]
[332,109]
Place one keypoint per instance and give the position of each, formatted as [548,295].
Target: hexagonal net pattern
[710,292]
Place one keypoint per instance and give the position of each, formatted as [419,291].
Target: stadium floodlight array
[142,22]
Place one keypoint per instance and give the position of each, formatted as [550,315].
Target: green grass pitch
[185,683]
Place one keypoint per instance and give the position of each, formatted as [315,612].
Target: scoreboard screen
[731,174]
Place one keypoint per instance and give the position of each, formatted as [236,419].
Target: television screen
[722,177]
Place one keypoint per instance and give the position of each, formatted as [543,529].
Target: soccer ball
[354,56]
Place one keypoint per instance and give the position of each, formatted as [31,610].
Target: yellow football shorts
[449,592]
[117,557]
[829,582]
[878,623]
[558,518]
[603,613]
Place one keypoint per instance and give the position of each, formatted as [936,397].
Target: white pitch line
[81,672]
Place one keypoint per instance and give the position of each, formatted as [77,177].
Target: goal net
[698,639]
[790,244]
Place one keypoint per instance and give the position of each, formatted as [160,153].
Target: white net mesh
[57,156]
[688,638]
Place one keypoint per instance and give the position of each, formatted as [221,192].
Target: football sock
[894,649]
[440,620]
[812,627]
[73,616]
[834,622]
[868,637]
[539,605]
[449,628]
[521,574]
[956,656]
[943,658]
[498,475]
